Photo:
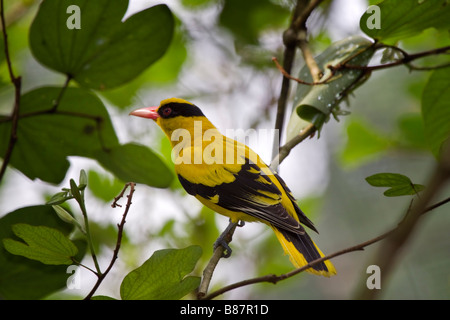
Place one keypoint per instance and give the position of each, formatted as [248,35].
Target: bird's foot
[225,238]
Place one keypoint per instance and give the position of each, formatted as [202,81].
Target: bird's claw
[225,238]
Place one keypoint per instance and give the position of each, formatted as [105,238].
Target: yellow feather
[298,260]
[203,156]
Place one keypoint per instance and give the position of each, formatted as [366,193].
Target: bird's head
[172,114]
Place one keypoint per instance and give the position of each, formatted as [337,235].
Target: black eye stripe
[175,109]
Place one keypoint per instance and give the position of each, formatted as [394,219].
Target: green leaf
[63,214]
[136,163]
[163,276]
[59,198]
[436,111]
[363,143]
[163,72]
[103,187]
[412,131]
[43,244]
[75,191]
[399,185]
[22,278]
[315,104]
[83,180]
[105,52]
[80,126]
[400,19]
[247,19]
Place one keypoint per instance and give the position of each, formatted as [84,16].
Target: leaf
[103,187]
[436,111]
[412,131]
[63,214]
[105,52]
[163,276]
[400,19]
[363,142]
[315,104]
[162,72]
[399,185]
[45,139]
[22,278]
[43,244]
[136,163]
[247,19]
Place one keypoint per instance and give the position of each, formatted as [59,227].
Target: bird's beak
[149,113]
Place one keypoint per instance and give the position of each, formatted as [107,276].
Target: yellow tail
[302,250]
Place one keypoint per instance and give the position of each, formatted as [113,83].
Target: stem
[120,227]
[274,278]
[217,255]
[88,233]
[17,82]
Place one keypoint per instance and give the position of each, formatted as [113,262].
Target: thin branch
[120,227]
[61,93]
[387,254]
[17,82]
[211,266]
[291,40]
[314,69]
[272,278]
[406,60]
[286,148]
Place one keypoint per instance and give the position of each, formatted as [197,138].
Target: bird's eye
[167,111]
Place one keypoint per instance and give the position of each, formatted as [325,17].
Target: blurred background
[220,59]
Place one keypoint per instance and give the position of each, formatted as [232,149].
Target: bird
[231,179]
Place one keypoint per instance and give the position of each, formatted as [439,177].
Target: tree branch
[291,37]
[388,252]
[272,278]
[286,148]
[120,227]
[17,82]
[211,266]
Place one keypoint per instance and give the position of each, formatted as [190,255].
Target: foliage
[71,108]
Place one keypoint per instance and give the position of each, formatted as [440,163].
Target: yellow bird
[231,179]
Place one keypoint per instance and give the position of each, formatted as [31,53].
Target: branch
[406,60]
[217,255]
[286,148]
[120,227]
[292,37]
[17,82]
[272,278]
[386,256]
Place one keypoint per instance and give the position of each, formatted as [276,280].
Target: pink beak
[148,112]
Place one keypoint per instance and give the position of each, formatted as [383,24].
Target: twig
[271,278]
[286,148]
[291,39]
[17,82]
[217,255]
[120,227]
[314,69]
[406,60]
[388,252]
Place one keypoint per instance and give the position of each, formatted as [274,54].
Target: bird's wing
[245,188]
